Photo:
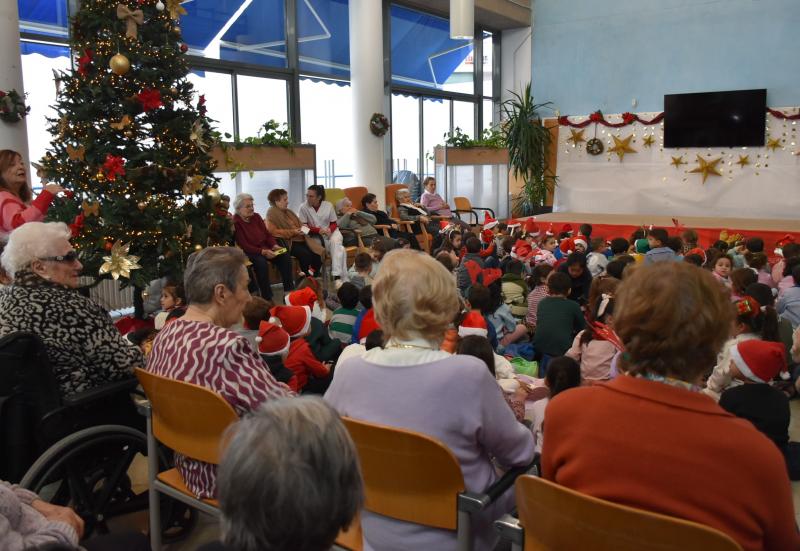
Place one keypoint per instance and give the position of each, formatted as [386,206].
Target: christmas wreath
[378,124]
[12,106]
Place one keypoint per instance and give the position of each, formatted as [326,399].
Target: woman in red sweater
[260,246]
[660,444]
[16,206]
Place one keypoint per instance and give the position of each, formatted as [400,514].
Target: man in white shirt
[319,216]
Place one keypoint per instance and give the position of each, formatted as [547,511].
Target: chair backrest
[407,475]
[28,391]
[355,194]
[391,201]
[334,194]
[188,418]
[462,203]
[555,517]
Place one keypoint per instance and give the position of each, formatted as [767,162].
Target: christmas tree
[131,145]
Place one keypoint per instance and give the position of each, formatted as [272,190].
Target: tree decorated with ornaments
[130,144]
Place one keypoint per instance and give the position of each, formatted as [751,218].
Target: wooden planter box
[460,156]
[265,157]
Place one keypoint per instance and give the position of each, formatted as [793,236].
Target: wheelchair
[74,450]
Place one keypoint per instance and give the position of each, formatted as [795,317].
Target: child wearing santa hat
[273,345]
[311,375]
[756,363]
[322,345]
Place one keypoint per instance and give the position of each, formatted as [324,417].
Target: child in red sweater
[311,375]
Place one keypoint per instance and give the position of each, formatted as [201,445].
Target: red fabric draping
[630,118]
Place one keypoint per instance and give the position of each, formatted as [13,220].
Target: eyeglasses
[71,256]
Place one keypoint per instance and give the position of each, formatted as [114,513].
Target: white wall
[515,61]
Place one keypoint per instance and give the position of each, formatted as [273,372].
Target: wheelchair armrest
[509,529]
[110,389]
[472,502]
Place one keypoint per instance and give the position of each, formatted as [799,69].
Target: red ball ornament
[108,246]
[184,48]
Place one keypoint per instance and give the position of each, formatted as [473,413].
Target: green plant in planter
[270,133]
[490,137]
[527,141]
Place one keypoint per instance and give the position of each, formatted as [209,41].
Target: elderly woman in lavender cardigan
[412,384]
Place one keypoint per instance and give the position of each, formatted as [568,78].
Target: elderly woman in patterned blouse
[84,347]
[200,348]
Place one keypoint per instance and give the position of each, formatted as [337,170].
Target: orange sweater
[662,448]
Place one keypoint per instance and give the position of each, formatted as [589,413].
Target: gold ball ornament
[141,205]
[173,91]
[176,30]
[198,247]
[100,177]
[214,194]
[119,64]
[129,133]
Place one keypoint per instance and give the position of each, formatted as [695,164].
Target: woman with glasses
[84,348]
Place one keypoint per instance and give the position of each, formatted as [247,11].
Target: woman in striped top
[200,348]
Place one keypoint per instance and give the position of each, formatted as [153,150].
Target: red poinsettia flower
[597,116]
[84,61]
[202,100]
[628,118]
[113,167]
[150,99]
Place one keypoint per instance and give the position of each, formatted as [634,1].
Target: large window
[259,100]
[216,87]
[405,134]
[436,123]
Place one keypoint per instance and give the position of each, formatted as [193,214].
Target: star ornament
[648,140]
[621,147]
[773,143]
[707,167]
[577,137]
[120,263]
[743,161]
[677,161]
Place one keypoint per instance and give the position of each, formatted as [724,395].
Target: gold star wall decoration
[677,161]
[773,143]
[707,167]
[648,140]
[621,147]
[577,137]
[743,161]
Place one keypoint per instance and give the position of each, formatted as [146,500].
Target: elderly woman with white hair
[352,221]
[83,346]
[260,245]
[415,212]
[200,348]
[411,384]
[275,493]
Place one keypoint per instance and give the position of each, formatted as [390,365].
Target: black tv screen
[715,119]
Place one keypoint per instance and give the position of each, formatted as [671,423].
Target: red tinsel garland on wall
[630,118]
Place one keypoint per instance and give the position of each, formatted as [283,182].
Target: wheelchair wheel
[88,471]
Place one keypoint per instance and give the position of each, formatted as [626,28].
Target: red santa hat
[272,339]
[473,324]
[487,236]
[567,246]
[521,250]
[580,240]
[566,228]
[368,325]
[549,232]
[295,320]
[531,228]
[782,242]
[512,223]
[302,297]
[489,222]
[443,225]
[759,361]
[699,252]
[490,275]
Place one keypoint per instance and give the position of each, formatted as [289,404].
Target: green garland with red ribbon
[630,118]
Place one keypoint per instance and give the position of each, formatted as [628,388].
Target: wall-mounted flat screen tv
[715,119]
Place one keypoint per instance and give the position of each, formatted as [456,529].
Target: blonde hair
[414,296]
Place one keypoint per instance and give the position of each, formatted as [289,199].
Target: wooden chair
[463,205]
[554,517]
[391,199]
[191,420]
[415,478]
[424,238]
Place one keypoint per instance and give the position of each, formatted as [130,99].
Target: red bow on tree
[150,99]
[84,61]
[113,167]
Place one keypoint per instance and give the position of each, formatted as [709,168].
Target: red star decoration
[113,167]
[84,61]
[150,99]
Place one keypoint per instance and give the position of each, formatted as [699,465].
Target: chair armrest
[405,223]
[144,408]
[110,389]
[484,208]
[472,502]
[509,529]
[437,217]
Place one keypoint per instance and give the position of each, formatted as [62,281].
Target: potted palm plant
[527,141]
